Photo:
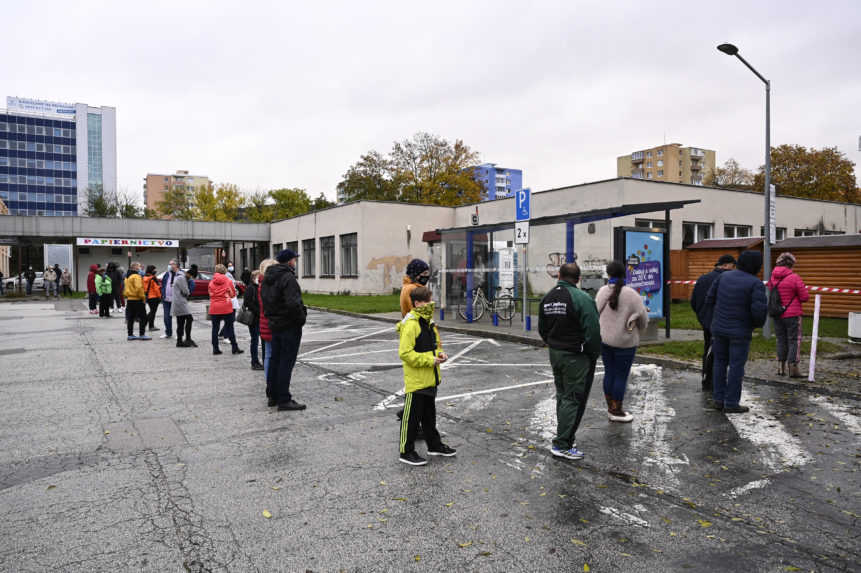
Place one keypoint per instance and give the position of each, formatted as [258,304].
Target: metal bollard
[528,323]
[441,314]
[495,319]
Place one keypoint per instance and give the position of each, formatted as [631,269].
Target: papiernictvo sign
[117,242]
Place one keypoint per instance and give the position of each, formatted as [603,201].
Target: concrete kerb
[659,360]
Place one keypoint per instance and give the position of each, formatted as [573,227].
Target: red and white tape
[834,290]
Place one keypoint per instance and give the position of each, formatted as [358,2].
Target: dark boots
[781,368]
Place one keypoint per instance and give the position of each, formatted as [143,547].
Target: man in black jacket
[698,301]
[282,305]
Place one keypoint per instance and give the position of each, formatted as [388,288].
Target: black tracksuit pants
[419,409]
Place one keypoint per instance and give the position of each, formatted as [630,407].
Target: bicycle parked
[502,304]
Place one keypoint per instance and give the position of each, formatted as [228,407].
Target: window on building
[660,162]
[349,255]
[649,175]
[660,172]
[276,248]
[695,232]
[736,231]
[648,164]
[660,153]
[650,223]
[308,258]
[327,256]
[779,233]
[292,245]
[648,154]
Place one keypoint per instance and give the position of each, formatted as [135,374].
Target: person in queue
[221,295]
[698,301]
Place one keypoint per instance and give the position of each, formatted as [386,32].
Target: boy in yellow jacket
[421,352]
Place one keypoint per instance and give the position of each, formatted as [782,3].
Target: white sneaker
[624,418]
[165,336]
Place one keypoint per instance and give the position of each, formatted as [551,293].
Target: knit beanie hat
[416,267]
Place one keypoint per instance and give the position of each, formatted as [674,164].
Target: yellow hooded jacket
[134,287]
[419,344]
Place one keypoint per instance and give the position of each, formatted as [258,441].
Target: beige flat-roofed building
[670,163]
[156,185]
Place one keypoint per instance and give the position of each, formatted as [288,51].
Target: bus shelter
[481,268]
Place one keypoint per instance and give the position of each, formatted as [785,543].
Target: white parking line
[737,491]
[839,411]
[477,392]
[322,348]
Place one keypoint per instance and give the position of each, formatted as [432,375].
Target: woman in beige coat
[623,316]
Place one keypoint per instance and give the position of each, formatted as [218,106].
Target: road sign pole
[526,317]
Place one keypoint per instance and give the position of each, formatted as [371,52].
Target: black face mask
[423,280]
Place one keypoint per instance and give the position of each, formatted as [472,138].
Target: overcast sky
[289,94]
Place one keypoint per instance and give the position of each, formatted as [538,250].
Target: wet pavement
[119,455]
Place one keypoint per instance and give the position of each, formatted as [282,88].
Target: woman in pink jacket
[221,293]
[793,292]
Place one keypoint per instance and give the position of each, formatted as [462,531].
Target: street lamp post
[732,50]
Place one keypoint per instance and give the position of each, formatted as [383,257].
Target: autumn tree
[177,202]
[258,207]
[813,173]
[423,169]
[730,176]
[289,202]
[101,203]
[369,178]
[321,202]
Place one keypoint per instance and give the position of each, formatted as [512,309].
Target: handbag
[245,316]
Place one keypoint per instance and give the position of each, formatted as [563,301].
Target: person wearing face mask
[135,297]
[416,275]
[282,304]
[251,302]
[234,301]
[167,297]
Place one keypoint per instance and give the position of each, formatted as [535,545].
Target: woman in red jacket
[221,293]
[793,292]
[265,332]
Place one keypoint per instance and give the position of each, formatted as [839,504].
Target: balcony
[637,173]
[697,153]
[695,166]
[637,157]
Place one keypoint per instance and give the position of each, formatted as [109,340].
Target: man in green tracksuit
[568,324]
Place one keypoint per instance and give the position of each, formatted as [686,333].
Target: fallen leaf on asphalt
[704,523]
[577,542]
[266,514]
[465,544]
[485,554]
[107,432]
[50,487]
[418,557]
[791,568]
[399,499]
[625,554]
[382,483]
[276,487]
[526,539]
[736,519]
[449,504]
[586,567]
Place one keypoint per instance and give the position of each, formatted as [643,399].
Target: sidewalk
[837,374]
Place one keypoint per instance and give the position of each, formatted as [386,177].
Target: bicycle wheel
[461,310]
[505,307]
[478,305]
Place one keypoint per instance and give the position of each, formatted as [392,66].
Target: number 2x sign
[521,232]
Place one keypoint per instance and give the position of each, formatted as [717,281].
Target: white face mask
[230,269]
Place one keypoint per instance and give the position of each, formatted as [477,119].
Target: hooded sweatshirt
[792,290]
[737,299]
[419,344]
[133,288]
[221,293]
[91,279]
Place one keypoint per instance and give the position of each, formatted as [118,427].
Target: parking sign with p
[521,205]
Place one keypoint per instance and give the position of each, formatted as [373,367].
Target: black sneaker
[737,409]
[413,459]
[291,405]
[217,351]
[257,366]
[237,351]
[191,344]
[271,402]
[717,406]
[442,450]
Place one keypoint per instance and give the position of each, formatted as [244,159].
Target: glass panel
[308,258]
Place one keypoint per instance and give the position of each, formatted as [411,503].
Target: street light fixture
[731,50]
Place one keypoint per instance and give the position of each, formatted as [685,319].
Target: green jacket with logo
[419,344]
[568,320]
[103,284]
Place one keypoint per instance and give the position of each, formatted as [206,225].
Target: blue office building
[51,154]
[498,182]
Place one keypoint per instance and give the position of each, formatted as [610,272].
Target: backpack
[776,308]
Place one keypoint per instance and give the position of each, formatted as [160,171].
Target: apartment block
[156,185]
[670,163]
[498,182]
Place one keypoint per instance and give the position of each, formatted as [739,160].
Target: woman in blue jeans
[252,303]
[622,316]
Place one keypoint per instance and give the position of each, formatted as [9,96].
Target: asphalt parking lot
[118,455]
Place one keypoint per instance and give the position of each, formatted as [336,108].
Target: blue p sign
[521,205]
